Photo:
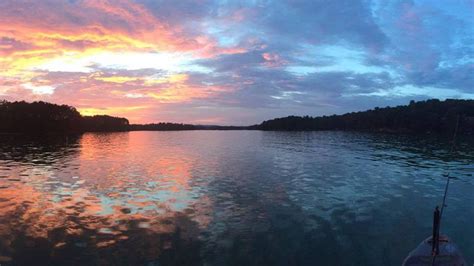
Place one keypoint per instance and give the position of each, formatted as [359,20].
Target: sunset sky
[234,62]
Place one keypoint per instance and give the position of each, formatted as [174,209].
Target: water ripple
[242,197]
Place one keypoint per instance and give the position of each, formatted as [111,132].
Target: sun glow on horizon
[113,111]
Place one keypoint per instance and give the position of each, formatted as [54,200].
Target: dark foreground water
[228,198]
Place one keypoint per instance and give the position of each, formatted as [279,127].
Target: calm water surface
[228,198]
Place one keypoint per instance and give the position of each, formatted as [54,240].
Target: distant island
[431,116]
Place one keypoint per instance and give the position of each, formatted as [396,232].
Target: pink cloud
[273,60]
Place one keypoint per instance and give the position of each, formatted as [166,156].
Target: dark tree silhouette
[431,116]
[175,126]
[40,117]
[162,127]
[104,123]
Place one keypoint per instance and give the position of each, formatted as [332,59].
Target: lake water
[228,198]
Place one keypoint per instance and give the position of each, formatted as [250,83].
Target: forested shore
[431,116]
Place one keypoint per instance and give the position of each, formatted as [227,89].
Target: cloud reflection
[92,199]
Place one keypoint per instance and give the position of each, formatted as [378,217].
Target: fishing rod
[437,224]
[453,145]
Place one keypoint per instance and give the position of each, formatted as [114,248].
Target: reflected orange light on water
[112,184]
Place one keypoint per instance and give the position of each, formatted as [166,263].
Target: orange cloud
[59,51]
[175,78]
[38,31]
[117,79]
[182,93]
[109,110]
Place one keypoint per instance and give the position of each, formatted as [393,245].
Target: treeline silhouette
[39,117]
[162,127]
[431,116]
[175,126]
[215,127]
[104,123]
